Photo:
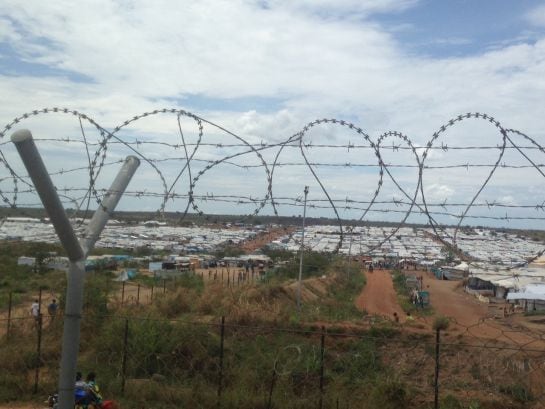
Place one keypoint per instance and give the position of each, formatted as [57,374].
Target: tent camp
[531,297]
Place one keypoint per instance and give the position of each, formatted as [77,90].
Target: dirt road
[378,296]
[448,299]
[471,317]
[264,238]
[468,316]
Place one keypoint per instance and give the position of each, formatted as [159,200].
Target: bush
[190,281]
[172,305]
[519,392]
[450,402]
[389,393]
[314,265]
[441,323]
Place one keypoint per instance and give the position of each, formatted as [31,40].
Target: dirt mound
[311,288]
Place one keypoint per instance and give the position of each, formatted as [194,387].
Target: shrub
[172,305]
[389,393]
[519,392]
[450,402]
[441,323]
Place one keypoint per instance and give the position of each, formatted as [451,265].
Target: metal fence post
[151,295]
[124,361]
[10,305]
[271,390]
[138,295]
[38,362]
[436,379]
[122,292]
[164,286]
[322,348]
[300,278]
[40,302]
[220,378]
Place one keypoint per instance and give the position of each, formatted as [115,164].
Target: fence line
[515,365]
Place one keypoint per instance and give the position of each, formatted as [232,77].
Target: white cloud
[142,55]
[536,16]
[438,192]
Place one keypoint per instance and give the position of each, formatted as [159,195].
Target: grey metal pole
[71,333]
[76,254]
[110,201]
[301,256]
[48,195]
[350,250]
[76,282]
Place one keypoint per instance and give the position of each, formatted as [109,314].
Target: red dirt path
[378,296]
[468,316]
[448,299]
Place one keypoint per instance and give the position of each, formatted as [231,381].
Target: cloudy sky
[264,69]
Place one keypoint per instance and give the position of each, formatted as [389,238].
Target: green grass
[173,348]
[339,305]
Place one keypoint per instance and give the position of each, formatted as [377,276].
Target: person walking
[52,309]
[35,311]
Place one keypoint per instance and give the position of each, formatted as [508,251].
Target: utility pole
[76,250]
[301,255]
[351,230]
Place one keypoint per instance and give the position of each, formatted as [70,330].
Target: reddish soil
[378,296]
[469,317]
[475,319]
[264,238]
[448,299]
[479,321]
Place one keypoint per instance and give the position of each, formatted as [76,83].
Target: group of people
[409,318]
[87,393]
[35,310]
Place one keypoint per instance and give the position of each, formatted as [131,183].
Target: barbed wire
[250,155]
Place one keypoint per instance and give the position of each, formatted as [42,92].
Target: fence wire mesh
[162,360]
[146,361]
[403,179]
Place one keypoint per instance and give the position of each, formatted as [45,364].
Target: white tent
[463,266]
[533,291]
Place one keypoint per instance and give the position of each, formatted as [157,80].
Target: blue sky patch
[13,64]
[457,28]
